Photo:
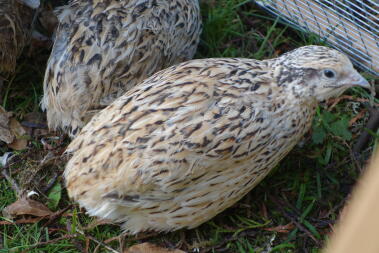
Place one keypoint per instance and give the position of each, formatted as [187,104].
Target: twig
[119,238]
[337,206]
[97,241]
[300,227]
[56,215]
[346,160]
[294,221]
[86,249]
[335,101]
[182,242]
[354,158]
[357,117]
[47,159]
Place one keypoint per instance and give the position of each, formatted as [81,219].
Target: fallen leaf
[19,132]
[18,144]
[150,248]
[5,133]
[16,128]
[11,131]
[26,206]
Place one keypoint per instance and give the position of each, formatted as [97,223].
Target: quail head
[105,47]
[193,139]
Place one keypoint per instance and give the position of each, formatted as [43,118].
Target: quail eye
[329,73]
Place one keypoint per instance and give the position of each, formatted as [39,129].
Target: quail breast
[103,48]
[193,139]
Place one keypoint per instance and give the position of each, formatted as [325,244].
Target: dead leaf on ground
[19,132]
[150,248]
[11,131]
[5,133]
[26,206]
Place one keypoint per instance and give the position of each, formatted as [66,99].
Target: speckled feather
[105,47]
[16,22]
[193,139]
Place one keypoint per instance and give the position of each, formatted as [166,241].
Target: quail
[103,48]
[16,22]
[193,139]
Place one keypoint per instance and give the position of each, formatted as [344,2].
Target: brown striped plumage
[16,22]
[193,139]
[105,47]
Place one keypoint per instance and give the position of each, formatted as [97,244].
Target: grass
[292,210]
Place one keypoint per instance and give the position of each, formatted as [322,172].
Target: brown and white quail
[105,47]
[193,139]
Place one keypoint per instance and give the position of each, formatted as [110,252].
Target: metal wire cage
[349,25]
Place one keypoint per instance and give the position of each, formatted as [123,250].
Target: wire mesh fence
[350,25]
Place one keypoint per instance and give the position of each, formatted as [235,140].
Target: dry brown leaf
[16,128]
[26,206]
[11,131]
[18,144]
[19,132]
[150,248]
[5,133]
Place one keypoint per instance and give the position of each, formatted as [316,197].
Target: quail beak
[358,80]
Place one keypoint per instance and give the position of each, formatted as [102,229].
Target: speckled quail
[105,47]
[193,139]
